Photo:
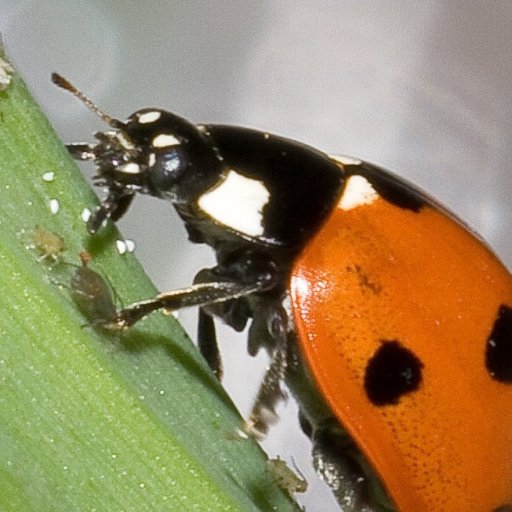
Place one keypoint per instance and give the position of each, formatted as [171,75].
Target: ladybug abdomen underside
[406,323]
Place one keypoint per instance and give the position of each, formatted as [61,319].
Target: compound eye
[165,168]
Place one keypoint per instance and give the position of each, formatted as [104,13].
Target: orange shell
[379,272]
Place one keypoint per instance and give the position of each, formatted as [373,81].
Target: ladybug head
[157,153]
[153,152]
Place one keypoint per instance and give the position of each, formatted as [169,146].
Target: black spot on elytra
[503,508]
[498,352]
[393,371]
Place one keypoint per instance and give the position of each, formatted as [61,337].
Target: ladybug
[387,318]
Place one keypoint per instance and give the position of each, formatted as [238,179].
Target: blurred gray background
[422,88]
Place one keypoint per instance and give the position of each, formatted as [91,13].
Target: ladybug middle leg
[207,343]
[272,332]
[269,329]
[234,313]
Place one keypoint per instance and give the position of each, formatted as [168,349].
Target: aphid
[92,293]
[47,244]
[286,478]
[388,319]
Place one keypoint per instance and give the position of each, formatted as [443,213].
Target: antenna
[61,82]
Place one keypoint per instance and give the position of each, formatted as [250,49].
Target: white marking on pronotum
[164,140]
[237,202]
[149,117]
[54,206]
[358,191]
[346,160]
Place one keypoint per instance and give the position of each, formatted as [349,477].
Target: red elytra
[377,274]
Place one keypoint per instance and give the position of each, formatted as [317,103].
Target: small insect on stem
[92,293]
[286,478]
[47,244]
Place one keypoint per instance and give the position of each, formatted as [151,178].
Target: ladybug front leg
[200,294]
[119,198]
[114,206]
[219,285]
